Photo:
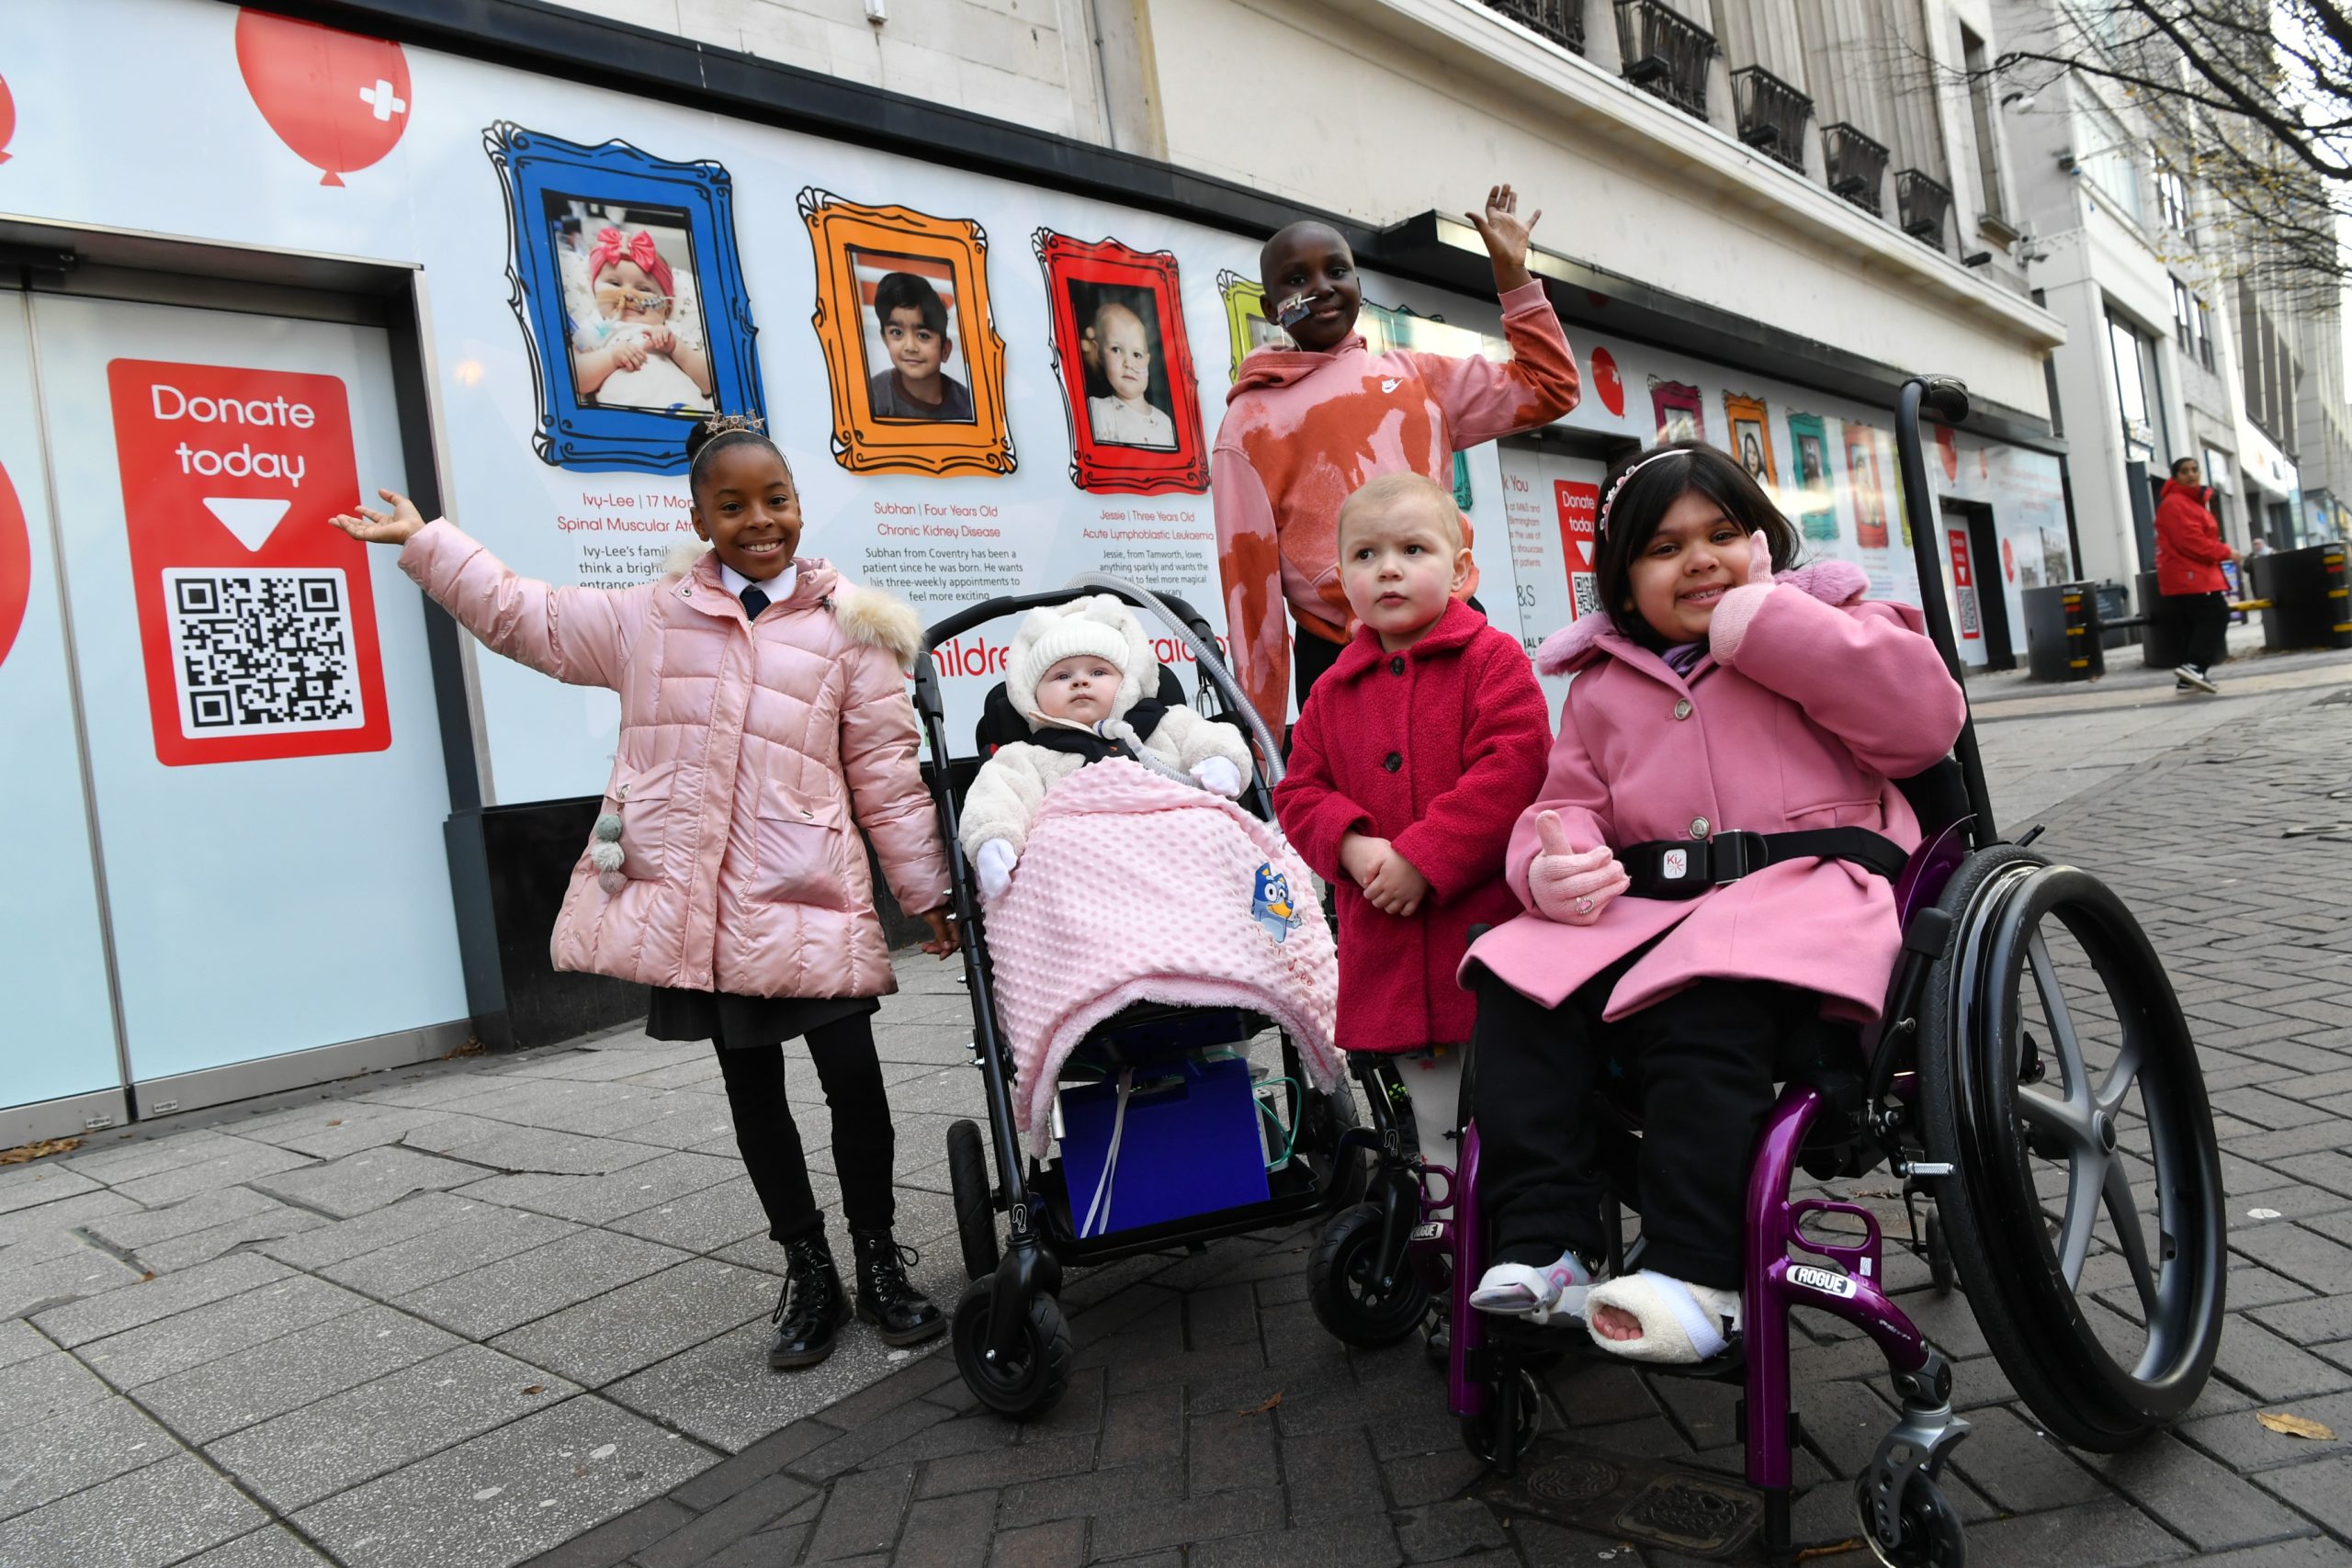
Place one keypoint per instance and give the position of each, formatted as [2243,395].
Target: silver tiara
[720,423]
[1600,524]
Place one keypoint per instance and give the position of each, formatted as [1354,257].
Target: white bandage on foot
[1681,1324]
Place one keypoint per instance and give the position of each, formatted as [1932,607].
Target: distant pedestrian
[2193,595]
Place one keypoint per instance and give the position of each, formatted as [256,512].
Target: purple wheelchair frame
[1451,1224]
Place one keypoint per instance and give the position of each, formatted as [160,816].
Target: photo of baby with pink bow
[629,291]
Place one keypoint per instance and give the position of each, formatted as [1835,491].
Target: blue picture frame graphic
[585,436]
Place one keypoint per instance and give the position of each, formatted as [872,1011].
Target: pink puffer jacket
[744,749]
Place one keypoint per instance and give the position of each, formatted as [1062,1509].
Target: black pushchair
[1010,1340]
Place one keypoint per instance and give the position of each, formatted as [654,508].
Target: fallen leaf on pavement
[2296,1426]
[1852,1543]
[45,1148]
[537,1388]
[336,1123]
[1272,1400]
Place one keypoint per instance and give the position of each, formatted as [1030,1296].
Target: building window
[2135,391]
[2204,332]
[1665,53]
[2183,318]
[2106,158]
[1562,21]
[2172,193]
[1854,164]
[1979,106]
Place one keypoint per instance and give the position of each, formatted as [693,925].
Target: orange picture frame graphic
[841,231]
[1751,438]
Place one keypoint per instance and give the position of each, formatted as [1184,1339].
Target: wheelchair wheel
[1032,1378]
[2083,1210]
[1480,1432]
[967,1178]
[1344,1283]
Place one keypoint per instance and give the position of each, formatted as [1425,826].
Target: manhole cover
[1572,1479]
[1691,1513]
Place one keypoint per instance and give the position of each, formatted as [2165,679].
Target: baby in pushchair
[1115,867]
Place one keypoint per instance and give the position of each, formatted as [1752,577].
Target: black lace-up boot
[886,1297]
[810,1311]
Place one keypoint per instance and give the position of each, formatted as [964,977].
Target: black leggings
[864,1144]
[1702,1060]
[2204,623]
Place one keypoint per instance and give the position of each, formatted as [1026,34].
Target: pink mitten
[1569,887]
[1737,608]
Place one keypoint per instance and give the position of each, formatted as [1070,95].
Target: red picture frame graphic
[257,618]
[1146,284]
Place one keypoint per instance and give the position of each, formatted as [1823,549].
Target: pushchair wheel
[1931,1535]
[967,1177]
[1026,1382]
[2084,1210]
[1345,1284]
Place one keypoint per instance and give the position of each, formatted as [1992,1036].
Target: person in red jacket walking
[1407,768]
[2192,590]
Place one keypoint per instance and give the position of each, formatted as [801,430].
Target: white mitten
[994,863]
[1218,776]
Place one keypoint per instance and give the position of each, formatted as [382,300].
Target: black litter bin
[2164,641]
[2061,627]
[2309,607]
[2114,606]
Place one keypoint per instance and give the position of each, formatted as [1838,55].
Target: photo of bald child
[1127,384]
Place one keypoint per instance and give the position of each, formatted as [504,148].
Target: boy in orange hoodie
[1306,427]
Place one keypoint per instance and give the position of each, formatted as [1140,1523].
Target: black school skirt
[742,1023]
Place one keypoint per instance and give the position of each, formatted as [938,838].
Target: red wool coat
[1435,750]
[2189,551]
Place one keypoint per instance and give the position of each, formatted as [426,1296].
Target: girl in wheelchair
[1708,870]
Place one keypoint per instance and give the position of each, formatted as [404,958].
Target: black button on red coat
[1397,664]
[1393,760]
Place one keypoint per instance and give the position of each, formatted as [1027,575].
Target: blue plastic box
[1191,1145]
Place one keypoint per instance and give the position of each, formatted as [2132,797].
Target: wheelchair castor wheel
[1026,1382]
[1480,1432]
[1930,1532]
[1346,1288]
[1939,1270]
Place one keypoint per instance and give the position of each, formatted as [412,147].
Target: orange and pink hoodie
[1303,432]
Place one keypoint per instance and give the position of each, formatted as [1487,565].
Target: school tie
[755,599]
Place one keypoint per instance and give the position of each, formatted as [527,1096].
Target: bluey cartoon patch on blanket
[1270,904]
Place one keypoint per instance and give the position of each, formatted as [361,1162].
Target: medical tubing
[1110,1159]
[1210,660]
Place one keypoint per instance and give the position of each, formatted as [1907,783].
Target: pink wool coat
[744,748]
[1434,749]
[1833,697]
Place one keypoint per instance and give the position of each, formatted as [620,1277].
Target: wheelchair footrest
[1575,1340]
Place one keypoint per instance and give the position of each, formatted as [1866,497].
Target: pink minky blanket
[1136,888]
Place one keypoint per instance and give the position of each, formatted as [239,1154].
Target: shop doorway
[236,772]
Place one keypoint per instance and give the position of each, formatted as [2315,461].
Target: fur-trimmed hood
[1577,644]
[870,616]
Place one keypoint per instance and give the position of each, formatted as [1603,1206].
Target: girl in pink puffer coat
[764,721]
[1713,700]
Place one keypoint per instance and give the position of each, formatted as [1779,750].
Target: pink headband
[611,247]
[1600,524]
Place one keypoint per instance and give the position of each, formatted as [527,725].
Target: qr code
[262,650]
[1588,597]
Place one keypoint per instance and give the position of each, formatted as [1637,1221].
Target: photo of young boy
[631,298]
[1126,387]
[911,341]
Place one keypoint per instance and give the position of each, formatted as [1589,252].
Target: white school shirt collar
[777,589]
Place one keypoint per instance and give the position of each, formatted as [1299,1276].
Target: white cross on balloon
[382,97]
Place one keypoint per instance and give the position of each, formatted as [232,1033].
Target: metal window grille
[1854,164]
[1922,201]
[1562,21]
[1772,114]
[1665,53]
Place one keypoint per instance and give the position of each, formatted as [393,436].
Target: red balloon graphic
[1608,383]
[1947,447]
[8,118]
[16,564]
[339,100]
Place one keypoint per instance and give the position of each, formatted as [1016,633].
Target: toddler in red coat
[1408,769]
